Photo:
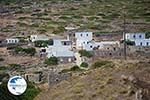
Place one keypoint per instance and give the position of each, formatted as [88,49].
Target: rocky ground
[121,80]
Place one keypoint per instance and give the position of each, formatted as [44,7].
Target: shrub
[14,66]
[98,64]
[31,51]
[84,64]
[75,68]
[30,93]
[128,42]
[41,43]
[86,53]
[51,61]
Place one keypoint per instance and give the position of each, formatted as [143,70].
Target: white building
[12,41]
[61,49]
[138,38]
[84,40]
[34,38]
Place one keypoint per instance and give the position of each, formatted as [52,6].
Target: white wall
[135,36]
[142,42]
[12,40]
[82,38]
[34,38]
[84,35]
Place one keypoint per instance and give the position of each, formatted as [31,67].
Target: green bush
[31,51]
[98,64]
[86,53]
[41,43]
[30,93]
[147,35]
[84,65]
[51,61]
[75,68]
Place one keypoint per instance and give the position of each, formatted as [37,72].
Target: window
[114,49]
[147,43]
[65,43]
[110,54]
[81,35]
[141,43]
[86,34]
[140,36]
[133,36]
[91,46]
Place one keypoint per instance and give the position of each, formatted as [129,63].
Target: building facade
[138,38]
[34,38]
[12,41]
[61,49]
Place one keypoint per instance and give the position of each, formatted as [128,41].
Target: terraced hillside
[24,17]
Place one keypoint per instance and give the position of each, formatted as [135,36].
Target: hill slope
[51,16]
[119,81]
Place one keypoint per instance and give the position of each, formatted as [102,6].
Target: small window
[65,43]
[147,43]
[91,46]
[110,54]
[114,49]
[134,36]
[141,44]
[140,36]
[86,34]
[81,35]
[107,48]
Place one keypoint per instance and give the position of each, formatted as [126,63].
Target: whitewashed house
[61,49]
[34,38]
[12,40]
[84,40]
[138,38]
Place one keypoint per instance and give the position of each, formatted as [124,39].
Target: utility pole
[124,33]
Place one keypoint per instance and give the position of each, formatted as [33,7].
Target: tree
[51,61]
[84,65]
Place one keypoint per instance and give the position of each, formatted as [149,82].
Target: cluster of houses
[65,49]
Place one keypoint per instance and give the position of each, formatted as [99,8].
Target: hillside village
[77,49]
